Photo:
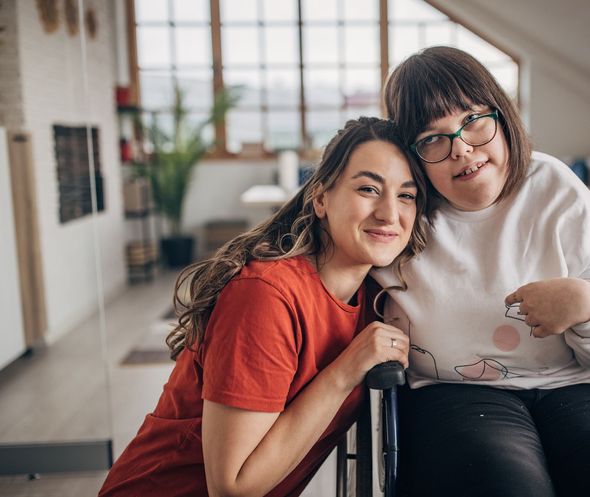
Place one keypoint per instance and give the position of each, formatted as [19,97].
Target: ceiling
[561,28]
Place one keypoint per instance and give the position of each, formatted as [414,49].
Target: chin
[382,261]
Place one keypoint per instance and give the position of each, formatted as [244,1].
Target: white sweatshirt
[454,312]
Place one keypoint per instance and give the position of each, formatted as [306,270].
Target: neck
[341,280]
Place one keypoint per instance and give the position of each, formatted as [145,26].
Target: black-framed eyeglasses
[476,132]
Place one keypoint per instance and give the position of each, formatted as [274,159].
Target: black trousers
[476,441]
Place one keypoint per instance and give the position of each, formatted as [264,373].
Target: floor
[68,384]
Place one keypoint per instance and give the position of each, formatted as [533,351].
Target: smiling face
[370,211]
[470,178]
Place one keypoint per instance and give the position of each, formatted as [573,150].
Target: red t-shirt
[274,327]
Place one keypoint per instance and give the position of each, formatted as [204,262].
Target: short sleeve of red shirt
[250,350]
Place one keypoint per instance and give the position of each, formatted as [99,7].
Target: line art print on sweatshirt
[482,369]
[513,312]
[395,321]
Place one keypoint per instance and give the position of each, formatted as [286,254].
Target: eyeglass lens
[477,132]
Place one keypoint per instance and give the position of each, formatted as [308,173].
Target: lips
[381,235]
[469,170]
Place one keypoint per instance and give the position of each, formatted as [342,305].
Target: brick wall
[11,104]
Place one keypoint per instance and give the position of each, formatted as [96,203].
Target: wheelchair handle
[385,375]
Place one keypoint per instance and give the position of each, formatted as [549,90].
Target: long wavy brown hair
[294,230]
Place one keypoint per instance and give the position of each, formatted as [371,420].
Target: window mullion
[384,48]
[220,127]
[305,140]
[342,76]
[263,73]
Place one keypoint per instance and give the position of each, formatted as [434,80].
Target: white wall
[53,93]
[552,41]
[216,186]
[12,339]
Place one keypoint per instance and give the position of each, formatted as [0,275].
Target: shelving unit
[141,248]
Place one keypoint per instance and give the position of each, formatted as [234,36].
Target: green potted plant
[172,162]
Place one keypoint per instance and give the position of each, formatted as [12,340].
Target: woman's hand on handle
[552,306]
[377,343]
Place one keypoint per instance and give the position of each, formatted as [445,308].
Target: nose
[459,148]
[388,210]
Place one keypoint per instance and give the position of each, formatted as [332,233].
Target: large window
[341,64]
[260,48]
[174,48]
[304,66]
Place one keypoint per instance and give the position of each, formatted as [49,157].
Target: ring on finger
[393,343]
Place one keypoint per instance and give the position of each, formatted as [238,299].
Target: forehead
[378,156]
[438,107]
[453,117]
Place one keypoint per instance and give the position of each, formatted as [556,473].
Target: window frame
[383,25]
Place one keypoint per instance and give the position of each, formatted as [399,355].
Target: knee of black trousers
[469,455]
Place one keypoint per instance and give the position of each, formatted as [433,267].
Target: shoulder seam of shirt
[262,279]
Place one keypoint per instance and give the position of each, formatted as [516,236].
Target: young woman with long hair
[278,332]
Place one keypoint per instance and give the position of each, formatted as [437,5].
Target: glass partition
[63,249]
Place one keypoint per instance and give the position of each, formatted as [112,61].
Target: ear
[319,205]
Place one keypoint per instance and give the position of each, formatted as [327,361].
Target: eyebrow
[381,180]
[430,128]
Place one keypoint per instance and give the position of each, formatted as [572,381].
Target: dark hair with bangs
[439,80]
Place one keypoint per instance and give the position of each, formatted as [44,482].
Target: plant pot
[177,251]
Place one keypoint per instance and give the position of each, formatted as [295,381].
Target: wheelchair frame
[385,377]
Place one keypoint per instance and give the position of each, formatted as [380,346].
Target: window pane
[243,127]
[322,126]
[361,87]
[238,10]
[283,130]
[320,45]
[281,45]
[153,46]
[413,10]
[197,87]
[249,81]
[151,10]
[361,45]
[506,73]
[193,46]
[326,10]
[157,89]
[283,10]
[367,10]
[164,121]
[195,119]
[240,45]
[322,88]
[479,48]
[282,87]
[403,42]
[191,10]
[358,111]
[440,34]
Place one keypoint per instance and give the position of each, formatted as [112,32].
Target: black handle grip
[385,375]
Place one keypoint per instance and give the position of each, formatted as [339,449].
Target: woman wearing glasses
[276,338]
[498,304]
